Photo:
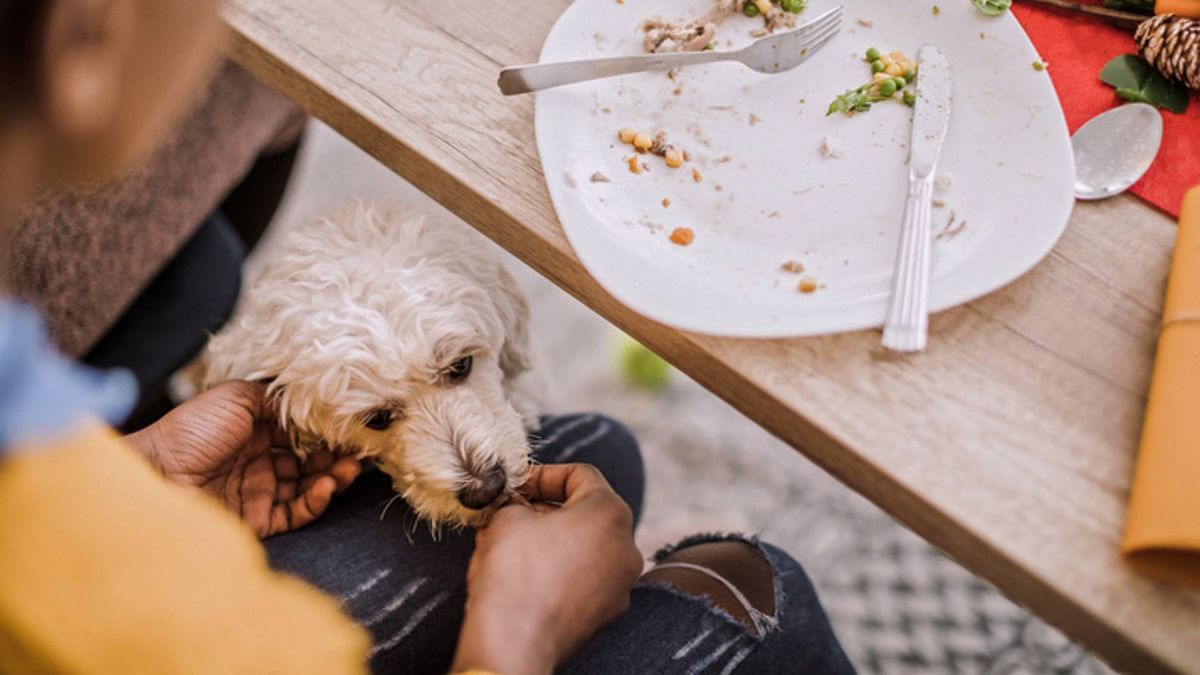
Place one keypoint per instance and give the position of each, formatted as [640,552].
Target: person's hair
[20,25]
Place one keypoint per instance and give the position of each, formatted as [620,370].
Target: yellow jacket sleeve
[105,567]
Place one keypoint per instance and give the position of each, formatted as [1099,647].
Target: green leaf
[1126,72]
[1138,81]
[992,7]
[851,101]
[1167,94]
[1132,95]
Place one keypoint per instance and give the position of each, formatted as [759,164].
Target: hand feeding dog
[396,340]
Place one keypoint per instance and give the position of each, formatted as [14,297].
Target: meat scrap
[663,36]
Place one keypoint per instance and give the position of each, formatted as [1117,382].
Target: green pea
[910,75]
[750,9]
[887,87]
[793,6]
[877,66]
[910,99]
[872,55]
[900,82]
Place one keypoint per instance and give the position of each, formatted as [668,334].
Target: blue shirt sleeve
[42,393]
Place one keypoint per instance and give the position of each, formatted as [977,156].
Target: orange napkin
[1162,531]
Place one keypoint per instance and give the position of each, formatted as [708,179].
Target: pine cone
[1172,45]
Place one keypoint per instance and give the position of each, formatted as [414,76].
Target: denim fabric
[173,317]
[42,393]
[409,590]
[667,631]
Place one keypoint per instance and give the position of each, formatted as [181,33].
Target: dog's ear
[515,355]
[250,347]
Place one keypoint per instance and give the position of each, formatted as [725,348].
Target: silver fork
[773,54]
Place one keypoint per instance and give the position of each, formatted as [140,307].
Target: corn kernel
[696,177]
[881,76]
[626,135]
[642,142]
[683,236]
[898,56]
[894,70]
[764,6]
[666,202]
[674,158]
[807,285]
[634,165]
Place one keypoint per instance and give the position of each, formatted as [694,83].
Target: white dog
[398,340]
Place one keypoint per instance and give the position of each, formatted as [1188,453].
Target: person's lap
[666,630]
[408,589]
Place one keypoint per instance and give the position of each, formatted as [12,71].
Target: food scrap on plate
[683,236]
[891,74]
[654,144]
[692,35]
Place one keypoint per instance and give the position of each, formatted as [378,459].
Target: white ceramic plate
[767,194]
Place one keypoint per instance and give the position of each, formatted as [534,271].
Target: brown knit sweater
[83,258]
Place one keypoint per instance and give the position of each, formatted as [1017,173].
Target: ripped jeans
[409,591]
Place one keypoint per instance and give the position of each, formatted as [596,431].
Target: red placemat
[1076,48]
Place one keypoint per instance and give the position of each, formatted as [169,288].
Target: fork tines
[785,51]
[822,29]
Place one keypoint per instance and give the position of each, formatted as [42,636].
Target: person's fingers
[279,437]
[345,470]
[254,492]
[287,466]
[564,483]
[302,510]
[259,444]
[506,515]
[318,462]
[286,490]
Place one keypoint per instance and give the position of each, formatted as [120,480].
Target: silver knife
[907,324]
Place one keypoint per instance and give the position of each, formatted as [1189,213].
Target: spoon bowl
[1114,150]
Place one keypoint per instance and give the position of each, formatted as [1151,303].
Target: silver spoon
[1114,150]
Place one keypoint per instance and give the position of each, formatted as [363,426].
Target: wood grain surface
[1009,444]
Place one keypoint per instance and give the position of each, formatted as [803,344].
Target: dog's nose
[483,490]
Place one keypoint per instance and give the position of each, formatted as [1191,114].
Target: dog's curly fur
[364,312]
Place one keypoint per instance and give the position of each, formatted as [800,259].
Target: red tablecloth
[1077,48]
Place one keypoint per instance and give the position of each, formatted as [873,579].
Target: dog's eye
[380,420]
[459,370]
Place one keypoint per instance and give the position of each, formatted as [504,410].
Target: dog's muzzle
[483,490]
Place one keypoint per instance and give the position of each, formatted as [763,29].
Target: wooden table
[1009,444]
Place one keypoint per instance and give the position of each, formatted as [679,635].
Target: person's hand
[222,442]
[544,577]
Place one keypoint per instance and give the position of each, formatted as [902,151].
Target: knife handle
[907,323]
